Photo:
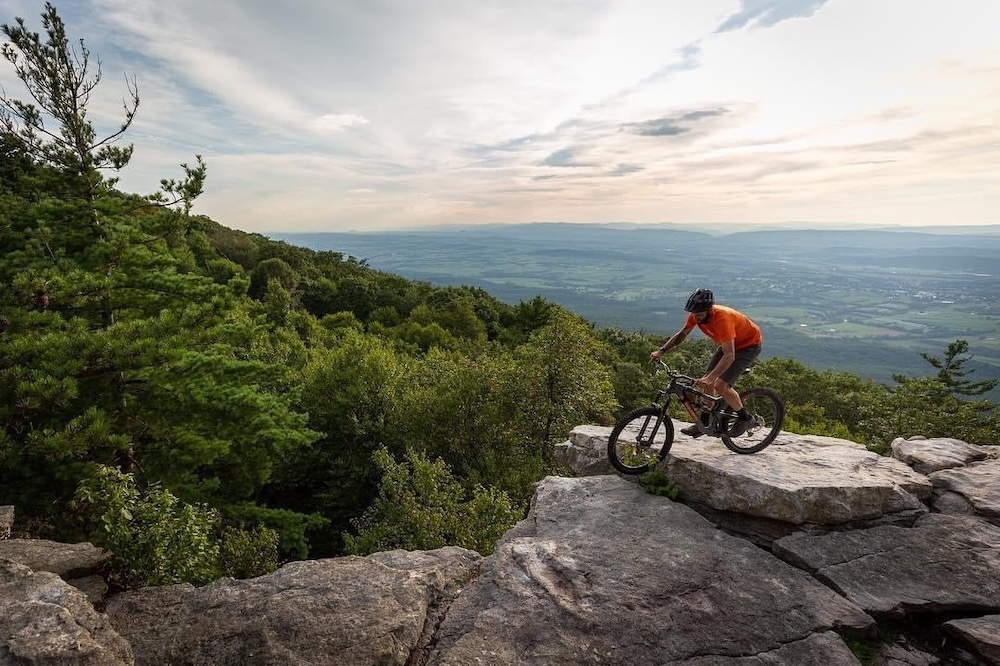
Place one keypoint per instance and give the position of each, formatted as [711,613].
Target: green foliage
[155,538]
[810,418]
[185,191]
[420,506]
[951,372]
[464,411]
[656,483]
[562,380]
[248,553]
[292,527]
[863,649]
[351,392]
[272,270]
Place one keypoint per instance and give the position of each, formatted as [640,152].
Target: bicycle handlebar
[660,365]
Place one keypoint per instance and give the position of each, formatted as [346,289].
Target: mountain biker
[739,340]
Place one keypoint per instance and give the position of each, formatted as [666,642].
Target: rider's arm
[728,356]
[676,339]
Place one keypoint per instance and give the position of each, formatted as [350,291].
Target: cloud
[340,121]
[626,169]
[766,13]
[672,126]
[564,158]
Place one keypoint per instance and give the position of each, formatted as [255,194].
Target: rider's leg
[726,382]
[729,394]
[719,387]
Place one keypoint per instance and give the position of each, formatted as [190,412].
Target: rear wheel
[767,413]
[640,439]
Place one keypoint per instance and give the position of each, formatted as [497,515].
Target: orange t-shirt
[728,324]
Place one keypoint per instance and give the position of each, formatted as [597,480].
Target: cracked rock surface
[602,572]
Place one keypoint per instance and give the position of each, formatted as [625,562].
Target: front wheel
[767,413]
[640,439]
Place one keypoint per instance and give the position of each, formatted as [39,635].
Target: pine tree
[114,351]
[951,372]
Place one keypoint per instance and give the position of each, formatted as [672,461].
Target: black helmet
[700,301]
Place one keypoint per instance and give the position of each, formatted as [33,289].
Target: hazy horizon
[734,227]
[400,114]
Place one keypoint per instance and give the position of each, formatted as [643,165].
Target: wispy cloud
[766,13]
[673,125]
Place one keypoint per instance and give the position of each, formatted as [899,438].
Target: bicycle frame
[703,408]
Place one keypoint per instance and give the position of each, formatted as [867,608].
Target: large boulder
[973,489]
[67,560]
[798,480]
[351,610]
[934,454]
[43,620]
[981,633]
[943,564]
[585,452]
[601,572]
[82,565]
[598,572]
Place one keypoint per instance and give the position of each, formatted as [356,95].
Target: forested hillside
[204,401]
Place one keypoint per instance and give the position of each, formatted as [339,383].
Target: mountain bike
[643,437]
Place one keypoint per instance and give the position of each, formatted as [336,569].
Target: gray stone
[932,455]
[95,587]
[43,620]
[800,479]
[902,653]
[350,610]
[945,501]
[943,564]
[676,590]
[797,482]
[585,452]
[982,634]
[69,560]
[978,483]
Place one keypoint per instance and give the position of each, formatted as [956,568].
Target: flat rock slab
[677,590]
[68,560]
[802,481]
[349,610]
[982,634]
[43,620]
[943,564]
[978,483]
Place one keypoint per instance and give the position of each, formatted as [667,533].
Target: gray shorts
[744,357]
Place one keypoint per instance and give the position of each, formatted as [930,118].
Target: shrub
[155,538]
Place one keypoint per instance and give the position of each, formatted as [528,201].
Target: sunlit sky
[336,115]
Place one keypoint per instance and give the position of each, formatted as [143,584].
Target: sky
[355,115]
